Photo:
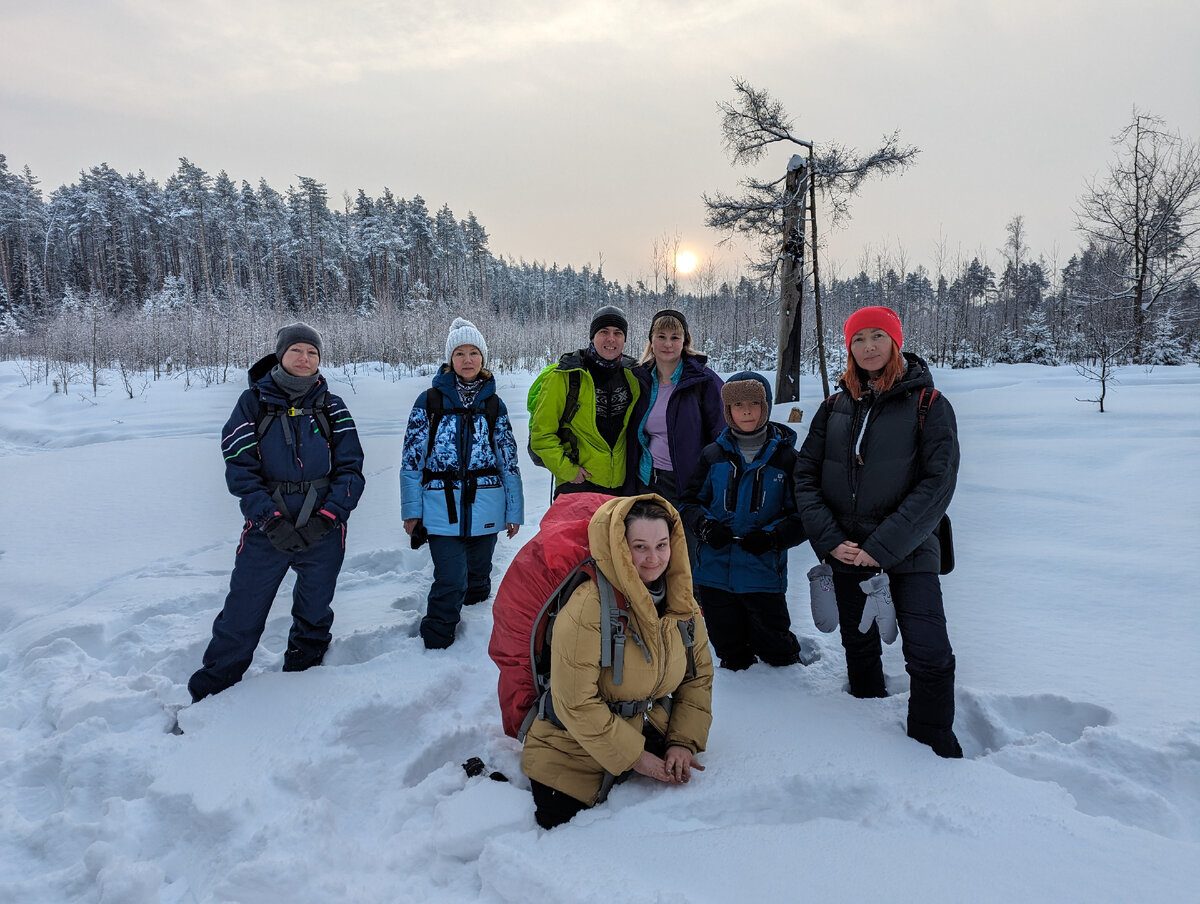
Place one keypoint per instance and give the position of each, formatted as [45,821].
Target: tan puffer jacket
[574,761]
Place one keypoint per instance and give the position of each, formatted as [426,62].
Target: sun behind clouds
[685,262]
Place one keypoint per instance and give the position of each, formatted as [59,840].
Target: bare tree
[1148,205]
[1106,350]
[753,124]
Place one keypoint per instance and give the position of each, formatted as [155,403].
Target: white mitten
[822,597]
[879,607]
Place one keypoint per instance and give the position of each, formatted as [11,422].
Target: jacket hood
[916,375]
[606,537]
[261,368]
[446,383]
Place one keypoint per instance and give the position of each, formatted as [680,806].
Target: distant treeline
[192,276]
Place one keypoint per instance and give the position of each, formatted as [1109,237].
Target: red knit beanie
[874,318]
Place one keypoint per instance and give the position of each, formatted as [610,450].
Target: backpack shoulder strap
[267,412]
[687,630]
[612,632]
[320,413]
[435,408]
[923,406]
[491,411]
[571,407]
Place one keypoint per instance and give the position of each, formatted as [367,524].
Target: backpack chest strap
[309,488]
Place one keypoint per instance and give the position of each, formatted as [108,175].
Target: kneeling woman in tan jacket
[656,718]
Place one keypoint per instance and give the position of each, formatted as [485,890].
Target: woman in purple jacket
[678,412]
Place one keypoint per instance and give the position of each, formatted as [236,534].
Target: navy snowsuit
[262,471]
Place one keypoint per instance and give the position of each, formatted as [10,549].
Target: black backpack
[570,409]
[435,407]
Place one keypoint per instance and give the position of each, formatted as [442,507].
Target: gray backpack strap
[687,630]
[612,630]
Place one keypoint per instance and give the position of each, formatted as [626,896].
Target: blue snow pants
[462,575]
[257,574]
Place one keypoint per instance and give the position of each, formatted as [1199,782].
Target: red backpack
[538,583]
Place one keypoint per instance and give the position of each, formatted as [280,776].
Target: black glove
[283,534]
[317,527]
[420,535]
[714,533]
[757,542]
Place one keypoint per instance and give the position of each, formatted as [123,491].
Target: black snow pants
[928,657]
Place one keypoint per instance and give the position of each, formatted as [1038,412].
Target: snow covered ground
[1074,612]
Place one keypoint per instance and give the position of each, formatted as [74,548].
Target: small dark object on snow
[473,767]
[498,777]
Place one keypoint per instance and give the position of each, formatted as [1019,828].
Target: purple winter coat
[695,418]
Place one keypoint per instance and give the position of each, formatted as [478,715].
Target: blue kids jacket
[746,497]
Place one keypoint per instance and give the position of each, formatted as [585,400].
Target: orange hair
[856,378]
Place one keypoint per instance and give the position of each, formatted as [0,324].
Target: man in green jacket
[585,449]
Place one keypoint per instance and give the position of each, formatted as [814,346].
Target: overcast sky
[580,132]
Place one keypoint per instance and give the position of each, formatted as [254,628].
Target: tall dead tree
[750,126]
[791,281]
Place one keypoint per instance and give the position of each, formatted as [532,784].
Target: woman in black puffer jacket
[872,485]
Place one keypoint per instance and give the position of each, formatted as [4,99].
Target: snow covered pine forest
[1072,611]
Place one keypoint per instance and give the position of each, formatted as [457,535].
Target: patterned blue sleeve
[510,472]
[416,438]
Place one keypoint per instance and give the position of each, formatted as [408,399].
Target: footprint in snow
[987,723]
[1048,738]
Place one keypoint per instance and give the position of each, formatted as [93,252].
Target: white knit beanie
[464,332]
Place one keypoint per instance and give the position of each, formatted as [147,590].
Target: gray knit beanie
[296,332]
[464,332]
[609,315]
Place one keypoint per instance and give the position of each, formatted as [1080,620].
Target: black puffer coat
[866,473]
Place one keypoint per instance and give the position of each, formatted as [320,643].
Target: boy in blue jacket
[741,504]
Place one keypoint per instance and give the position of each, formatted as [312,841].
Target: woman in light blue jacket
[460,484]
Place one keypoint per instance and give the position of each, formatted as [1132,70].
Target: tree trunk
[820,323]
[787,374]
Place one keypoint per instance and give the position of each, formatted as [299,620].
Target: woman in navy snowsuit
[463,487]
[873,480]
[293,459]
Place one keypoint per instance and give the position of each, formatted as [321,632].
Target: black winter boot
[295,660]
[941,740]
